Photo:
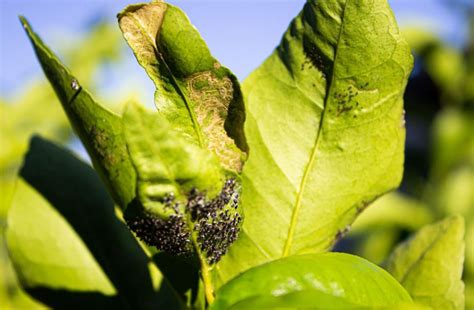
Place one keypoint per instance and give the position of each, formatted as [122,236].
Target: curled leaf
[196,94]
[184,200]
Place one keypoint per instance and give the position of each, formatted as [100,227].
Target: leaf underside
[325,127]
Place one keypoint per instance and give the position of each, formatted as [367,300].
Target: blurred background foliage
[439,164]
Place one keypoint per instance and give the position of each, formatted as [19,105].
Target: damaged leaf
[196,94]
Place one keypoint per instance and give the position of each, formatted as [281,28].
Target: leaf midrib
[312,159]
[419,260]
[192,115]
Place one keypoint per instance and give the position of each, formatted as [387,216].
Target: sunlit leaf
[200,97]
[429,265]
[325,128]
[165,162]
[335,279]
[99,129]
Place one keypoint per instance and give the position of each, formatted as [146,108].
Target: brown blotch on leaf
[212,96]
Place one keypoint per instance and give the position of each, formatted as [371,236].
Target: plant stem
[206,279]
[205,268]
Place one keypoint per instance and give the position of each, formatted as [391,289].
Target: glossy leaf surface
[336,279]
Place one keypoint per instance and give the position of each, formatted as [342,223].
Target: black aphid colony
[214,224]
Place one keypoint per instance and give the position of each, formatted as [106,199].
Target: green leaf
[66,243]
[325,128]
[101,43]
[429,265]
[99,129]
[197,95]
[165,162]
[55,258]
[184,201]
[303,299]
[344,279]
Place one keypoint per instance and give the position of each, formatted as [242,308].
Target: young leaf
[66,243]
[165,162]
[176,179]
[99,129]
[184,202]
[429,265]
[325,128]
[199,97]
[334,277]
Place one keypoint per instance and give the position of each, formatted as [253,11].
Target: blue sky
[240,33]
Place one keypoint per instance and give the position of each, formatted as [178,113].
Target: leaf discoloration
[211,97]
[199,96]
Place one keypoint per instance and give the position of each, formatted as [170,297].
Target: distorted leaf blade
[165,162]
[200,97]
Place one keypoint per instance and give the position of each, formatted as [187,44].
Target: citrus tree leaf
[325,128]
[101,43]
[429,265]
[338,278]
[393,210]
[300,299]
[66,243]
[165,162]
[75,269]
[185,202]
[199,96]
[99,129]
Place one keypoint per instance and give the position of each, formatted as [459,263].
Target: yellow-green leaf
[99,129]
[67,244]
[325,128]
[429,265]
[198,96]
[338,280]
[165,162]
